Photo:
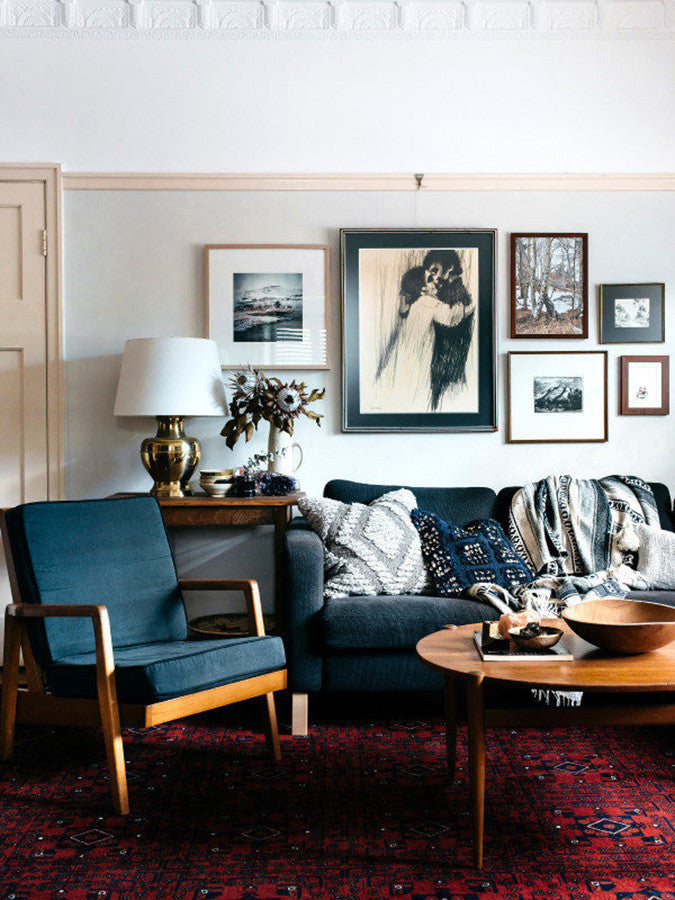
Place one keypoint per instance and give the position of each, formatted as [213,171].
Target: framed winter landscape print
[266,304]
[549,286]
[557,396]
[632,313]
[418,329]
[645,386]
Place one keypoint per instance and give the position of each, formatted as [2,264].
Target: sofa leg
[299,714]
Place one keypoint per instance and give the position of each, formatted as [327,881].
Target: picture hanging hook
[419,178]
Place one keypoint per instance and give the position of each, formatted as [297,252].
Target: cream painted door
[23,350]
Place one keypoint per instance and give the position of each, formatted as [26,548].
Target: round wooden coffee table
[453,653]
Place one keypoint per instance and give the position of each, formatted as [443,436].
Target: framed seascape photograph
[549,286]
[418,329]
[645,386]
[266,304]
[557,396]
[632,313]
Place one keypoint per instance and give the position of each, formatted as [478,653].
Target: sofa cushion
[458,558]
[664,505]
[394,623]
[148,673]
[113,552]
[459,505]
[372,549]
[665,597]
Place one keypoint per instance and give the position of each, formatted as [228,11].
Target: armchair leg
[112,733]
[272,728]
[299,714]
[10,686]
[114,751]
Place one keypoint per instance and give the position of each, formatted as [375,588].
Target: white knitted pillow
[371,549]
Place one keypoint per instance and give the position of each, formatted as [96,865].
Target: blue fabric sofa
[368,643]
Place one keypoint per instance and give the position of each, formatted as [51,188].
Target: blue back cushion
[110,552]
[458,505]
[458,558]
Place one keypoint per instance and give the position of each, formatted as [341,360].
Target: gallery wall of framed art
[418,326]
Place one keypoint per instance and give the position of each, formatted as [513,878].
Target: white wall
[134,269]
[133,261]
[359,106]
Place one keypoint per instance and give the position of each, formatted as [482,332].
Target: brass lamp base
[170,457]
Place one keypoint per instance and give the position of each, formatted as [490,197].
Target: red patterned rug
[360,809]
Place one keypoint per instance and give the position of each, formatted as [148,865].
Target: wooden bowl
[623,626]
[549,637]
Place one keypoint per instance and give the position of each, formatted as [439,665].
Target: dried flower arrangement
[256,397]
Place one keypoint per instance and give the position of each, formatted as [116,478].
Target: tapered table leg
[476,722]
[450,696]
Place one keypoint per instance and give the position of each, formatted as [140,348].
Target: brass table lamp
[170,378]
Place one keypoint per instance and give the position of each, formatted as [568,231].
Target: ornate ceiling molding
[340,19]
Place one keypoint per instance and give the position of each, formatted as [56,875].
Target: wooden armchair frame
[34,705]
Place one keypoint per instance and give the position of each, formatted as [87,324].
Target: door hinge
[44,242]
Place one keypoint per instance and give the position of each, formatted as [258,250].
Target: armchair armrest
[249,589]
[105,661]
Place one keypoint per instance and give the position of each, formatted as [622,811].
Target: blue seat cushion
[148,673]
[394,622]
[112,552]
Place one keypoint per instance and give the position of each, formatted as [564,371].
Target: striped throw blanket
[566,529]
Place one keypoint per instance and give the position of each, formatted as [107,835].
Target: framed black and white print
[557,396]
[266,304]
[645,386]
[632,313]
[418,309]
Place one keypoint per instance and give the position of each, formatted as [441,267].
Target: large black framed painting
[418,319]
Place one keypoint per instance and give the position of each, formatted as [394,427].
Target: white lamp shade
[174,376]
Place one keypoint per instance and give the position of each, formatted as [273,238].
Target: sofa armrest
[302,579]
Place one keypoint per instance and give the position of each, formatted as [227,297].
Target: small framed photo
[557,396]
[267,304]
[418,309]
[632,313]
[549,286]
[645,386]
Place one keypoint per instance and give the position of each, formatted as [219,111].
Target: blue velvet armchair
[108,563]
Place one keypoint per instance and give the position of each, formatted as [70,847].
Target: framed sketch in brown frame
[632,313]
[266,305]
[549,285]
[557,396]
[645,386]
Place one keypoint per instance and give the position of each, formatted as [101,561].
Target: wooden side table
[203,511]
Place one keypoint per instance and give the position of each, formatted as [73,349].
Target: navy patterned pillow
[457,558]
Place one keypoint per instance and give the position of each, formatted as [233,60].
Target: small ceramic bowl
[548,637]
[216,488]
[207,475]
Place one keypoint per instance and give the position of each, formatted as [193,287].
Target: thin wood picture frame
[648,325]
[639,391]
[321,333]
[600,413]
[551,311]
